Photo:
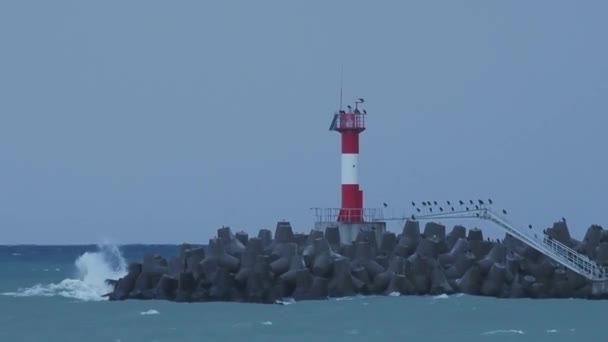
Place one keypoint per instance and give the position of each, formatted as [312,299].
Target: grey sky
[158,121]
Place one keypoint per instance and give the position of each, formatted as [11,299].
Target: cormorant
[476,207]
[418,209]
[530,226]
[490,200]
[440,209]
[452,208]
[471,201]
[461,202]
[385,205]
[449,203]
[504,212]
[480,202]
[413,204]
[467,208]
[435,202]
[431,209]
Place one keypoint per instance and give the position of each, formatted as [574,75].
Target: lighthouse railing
[328,215]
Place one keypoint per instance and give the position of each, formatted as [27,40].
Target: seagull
[504,212]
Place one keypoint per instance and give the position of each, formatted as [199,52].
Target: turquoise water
[51,295]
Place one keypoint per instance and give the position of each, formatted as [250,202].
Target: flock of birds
[463,206]
[469,205]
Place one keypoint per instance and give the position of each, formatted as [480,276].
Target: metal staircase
[555,250]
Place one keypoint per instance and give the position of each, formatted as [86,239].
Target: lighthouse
[350,124]
[352,217]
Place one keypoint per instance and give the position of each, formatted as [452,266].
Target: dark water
[52,293]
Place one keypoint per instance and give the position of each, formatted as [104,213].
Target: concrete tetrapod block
[475,234]
[166,288]
[248,259]
[439,282]
[369,236]
[363,258]
[496,254]
[560,232]
[427,247]
[222,286]
[517,289]
[283,232]
[341,284]
[283,252]
[432,229]
[231,244]
[362,281]
[592,239]
[458,232]
[382,280]
[480,248]
[601,253]
[125,285]
[461,264]
[470,282]
[543,270]
[193,261]
[259,281]
[303,284]
[216,259]
[332,234]
[418,272]
[388,243]
[323,257]
[296,264]
[560,287]
[512,266]
[308,252]
[185,286]
[494,282]
[265,235]
[318,289]
[399,284]
[408,241]
[243,237]
[460,247]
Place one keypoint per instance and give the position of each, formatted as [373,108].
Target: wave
[149,312]
[89,283]
[510,331]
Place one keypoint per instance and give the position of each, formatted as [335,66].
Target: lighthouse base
[349,231]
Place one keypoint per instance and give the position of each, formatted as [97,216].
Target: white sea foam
[285,301]
[441,296]
[16,254]
[266,323]
[149,312]
[551,331]
[88,284]
[394,294]
[509,331]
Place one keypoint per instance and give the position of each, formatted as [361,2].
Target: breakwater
[428,261]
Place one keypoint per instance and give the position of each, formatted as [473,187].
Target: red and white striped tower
[349,124]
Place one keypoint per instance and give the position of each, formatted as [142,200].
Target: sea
[55,293]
